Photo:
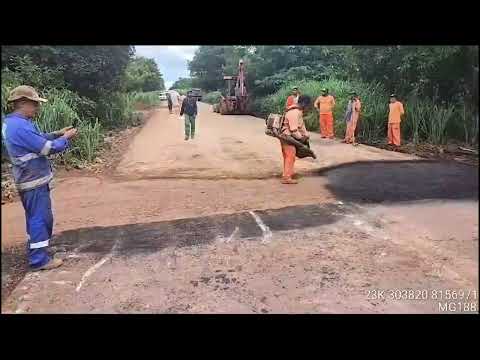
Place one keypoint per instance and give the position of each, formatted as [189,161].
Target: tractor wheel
[223,108]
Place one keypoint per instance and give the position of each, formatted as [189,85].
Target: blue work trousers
[39,220]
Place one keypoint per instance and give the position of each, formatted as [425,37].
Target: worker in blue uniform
[28,149]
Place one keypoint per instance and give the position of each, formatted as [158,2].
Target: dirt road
[205,226]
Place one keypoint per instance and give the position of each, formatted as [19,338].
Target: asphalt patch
[14,268]
[152,237]
[300,217]
[394,181]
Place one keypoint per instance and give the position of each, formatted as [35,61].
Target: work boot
[186,137]
[52,264]
[289,181]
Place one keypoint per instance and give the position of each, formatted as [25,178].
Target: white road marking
[61,282]
[267,234]
[95,267]
[233,234]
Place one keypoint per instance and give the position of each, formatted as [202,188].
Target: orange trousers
[394,134]
[326,125]
[350,132]
[289,153]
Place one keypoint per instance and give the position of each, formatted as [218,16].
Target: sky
[171,60]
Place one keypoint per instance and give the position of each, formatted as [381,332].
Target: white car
[163,96]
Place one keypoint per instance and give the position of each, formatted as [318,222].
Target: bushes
[116,109]
[61,111]
[89,139]
[147,99]
[212,97]
[427,121]
[63,73]
[424,120]
[369,93]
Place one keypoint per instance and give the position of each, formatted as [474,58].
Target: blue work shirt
[28,149]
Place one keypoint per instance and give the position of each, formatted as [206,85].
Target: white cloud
[171,60]
[185,52]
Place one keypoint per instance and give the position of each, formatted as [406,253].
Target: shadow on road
[392,181]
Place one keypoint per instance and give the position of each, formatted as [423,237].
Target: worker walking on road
[189,109]
[175,98]
[325,104]
[394,119]
[28,149]
[293,99]
[351,118]
[170,104]
[294,126]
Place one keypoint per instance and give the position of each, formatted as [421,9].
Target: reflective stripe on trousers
[38,213]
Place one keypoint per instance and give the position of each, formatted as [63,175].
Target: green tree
[87,70]
[143,75]
[207,67]
[182,83]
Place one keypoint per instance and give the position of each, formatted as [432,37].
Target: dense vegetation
[182,85]
[438,84]
[142,75]
[100,86]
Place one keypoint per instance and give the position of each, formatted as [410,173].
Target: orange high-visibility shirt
[291,100]
[396,112]
[294,121]
[325,104]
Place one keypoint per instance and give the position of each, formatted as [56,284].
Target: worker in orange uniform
[293,99]
[325,104]
[294,126]
[351,117]
[394,119]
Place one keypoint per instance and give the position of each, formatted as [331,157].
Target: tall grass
[60,112]
[64,107]
[89,140]
[116,109]
[212,97]
[424,120]
[427,121]
[469,123]
[372,96]
[147,99]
